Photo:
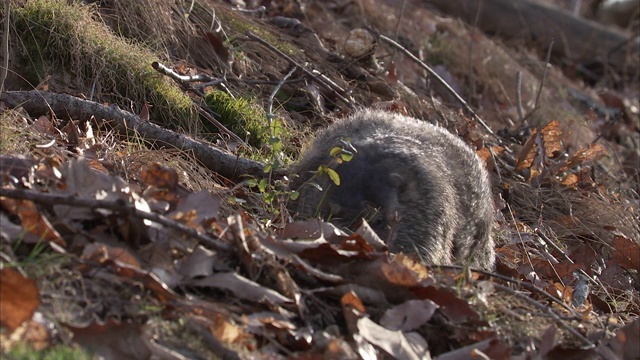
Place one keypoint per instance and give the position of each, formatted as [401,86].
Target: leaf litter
[153,269]
[309,288]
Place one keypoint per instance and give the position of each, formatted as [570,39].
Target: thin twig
[182,79]
[270,114]
[205,113]
[117,206]
[5,45]
[549,311]
[548,241]
[472,78]
[517,282]
[323,83]
[441,81]
[404,2]
[519,97]
[544,77]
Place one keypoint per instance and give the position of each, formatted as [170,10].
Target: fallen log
[577,39]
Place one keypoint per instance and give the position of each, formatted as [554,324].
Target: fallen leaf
[100,253]
[32,220]
[19,298]
[242,288]
[409,315]
[456,309]
[394,343]
[160,176]
[112,340]
[552,137]
[626,252]
[624,345]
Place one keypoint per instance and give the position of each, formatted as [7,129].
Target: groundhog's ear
[396,180]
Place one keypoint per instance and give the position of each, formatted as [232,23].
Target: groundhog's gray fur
[422,188]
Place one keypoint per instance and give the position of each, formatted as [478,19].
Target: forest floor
[144,148]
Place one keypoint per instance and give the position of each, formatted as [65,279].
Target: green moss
[241,116]
[62,39]
[241,26]
[438,51]
[58,352]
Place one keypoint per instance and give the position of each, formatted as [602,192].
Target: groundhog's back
[422,189]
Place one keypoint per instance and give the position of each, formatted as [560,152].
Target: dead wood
[577,39]
[39,103]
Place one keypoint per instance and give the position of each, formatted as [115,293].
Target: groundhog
[422,189]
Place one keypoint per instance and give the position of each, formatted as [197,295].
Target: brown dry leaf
[73,133]
[327,254]
[113,340]
[395,343]
[624,345]
[351,301]
[47,172]
[144,112]
[225,330]
[391,75]
[525,157]
[160,176]
[371,239]
[356,243]
[409,315]
[571,180]
[561,271]
[84,182]
[592,153]
[270,319]
[97,165]
[509,254]
[563,292]
[584,254]
[405,271]
[485,154]
[626,252]
[200,262]
[543,144]
[242,288]
[337,349]
[276,325]
[19,298]
[100,253]
[618,277]
[147,279]
[37,335]
[218,46]
[456,309]
[32,220]
[309,229]
[352,310]
[44,126]
[196,208]
[552,137]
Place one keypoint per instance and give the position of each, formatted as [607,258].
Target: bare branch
[224,163]
[117,206]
